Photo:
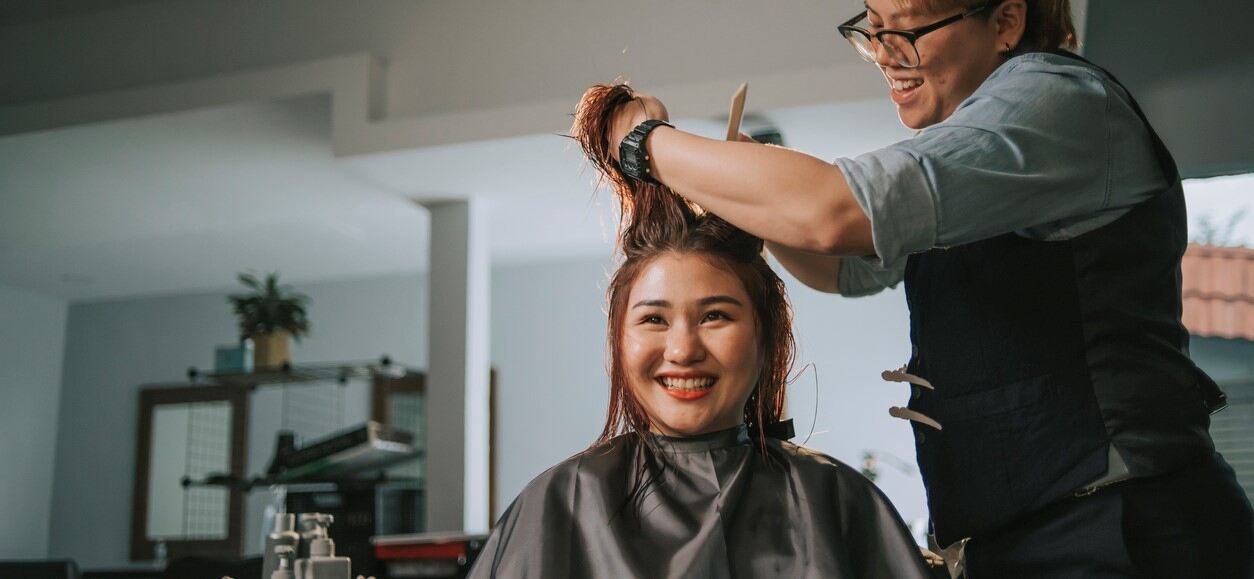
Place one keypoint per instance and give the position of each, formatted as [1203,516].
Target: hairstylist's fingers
[654,109]
[632,113]
[625,117]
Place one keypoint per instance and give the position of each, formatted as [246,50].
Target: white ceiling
[181,202]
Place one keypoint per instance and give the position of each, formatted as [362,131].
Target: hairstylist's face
[689,345]
[953,61]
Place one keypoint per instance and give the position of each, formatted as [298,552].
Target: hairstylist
[1038,223]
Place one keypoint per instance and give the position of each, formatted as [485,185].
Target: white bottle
[284,554]
[322,562]
[284,534]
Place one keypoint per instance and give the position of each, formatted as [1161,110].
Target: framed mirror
[187,434]
[400,402]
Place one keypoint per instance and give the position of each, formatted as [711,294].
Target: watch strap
[633,159]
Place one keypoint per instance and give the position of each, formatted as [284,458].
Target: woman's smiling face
[953,61]
[689,345]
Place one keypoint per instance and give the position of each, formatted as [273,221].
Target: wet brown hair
[656,221]
[1048,25]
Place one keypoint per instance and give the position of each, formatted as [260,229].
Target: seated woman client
[687,479]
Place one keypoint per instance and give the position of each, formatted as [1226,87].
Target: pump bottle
[284,554]
[322,562]
[284,534]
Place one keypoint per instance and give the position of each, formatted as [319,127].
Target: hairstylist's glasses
[899,44]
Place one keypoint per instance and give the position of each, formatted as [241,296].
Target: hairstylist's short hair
[1048,27]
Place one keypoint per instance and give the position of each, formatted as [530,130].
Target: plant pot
[271,350]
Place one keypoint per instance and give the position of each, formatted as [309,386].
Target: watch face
[630,155]
[630,166]
[635,163]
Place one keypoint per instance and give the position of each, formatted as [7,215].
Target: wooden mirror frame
[383,386]
[144,549]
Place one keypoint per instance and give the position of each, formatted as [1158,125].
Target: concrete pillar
[458,368]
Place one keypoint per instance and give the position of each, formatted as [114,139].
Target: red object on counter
[426,546]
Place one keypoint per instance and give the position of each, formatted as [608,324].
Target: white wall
[548,349]
[32,339]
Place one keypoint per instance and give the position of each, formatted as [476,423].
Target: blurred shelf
[340,372]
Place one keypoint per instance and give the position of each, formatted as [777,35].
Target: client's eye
[716,315]
[652,319]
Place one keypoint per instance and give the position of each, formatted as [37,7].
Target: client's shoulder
[844,485]
[814,463]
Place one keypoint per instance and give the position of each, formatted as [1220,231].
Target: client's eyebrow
[722,299]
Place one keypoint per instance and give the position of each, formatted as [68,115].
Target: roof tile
[1219,291]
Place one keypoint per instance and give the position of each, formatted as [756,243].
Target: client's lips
[687,386]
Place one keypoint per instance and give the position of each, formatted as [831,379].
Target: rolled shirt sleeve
[864,276]
[896,196]
[1032,151]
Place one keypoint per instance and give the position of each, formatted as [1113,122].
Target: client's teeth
[688,383]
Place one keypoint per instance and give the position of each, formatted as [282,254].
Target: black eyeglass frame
[912,35]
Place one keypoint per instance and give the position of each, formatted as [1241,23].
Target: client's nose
[684,345]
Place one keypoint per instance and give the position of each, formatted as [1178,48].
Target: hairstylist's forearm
[820,272]
[778,194]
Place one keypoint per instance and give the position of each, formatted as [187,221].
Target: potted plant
[270,314]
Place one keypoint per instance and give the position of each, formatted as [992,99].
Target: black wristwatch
[633,159]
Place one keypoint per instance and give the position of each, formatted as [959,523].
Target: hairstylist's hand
[639,110]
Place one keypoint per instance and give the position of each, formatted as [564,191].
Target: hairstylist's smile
[902,88]
[686,385]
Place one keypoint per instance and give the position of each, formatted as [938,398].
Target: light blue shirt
[1047,147]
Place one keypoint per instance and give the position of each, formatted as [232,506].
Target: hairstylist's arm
[820,272]
[785,197]
[817,271]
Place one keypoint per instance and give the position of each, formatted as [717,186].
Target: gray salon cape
[722,508]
